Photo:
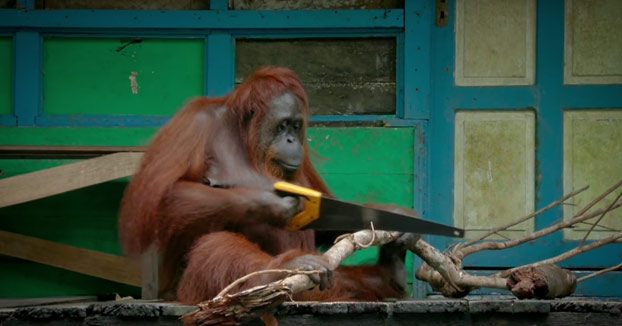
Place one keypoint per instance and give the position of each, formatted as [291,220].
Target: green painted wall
[6,75]
[92,76]
[359,164]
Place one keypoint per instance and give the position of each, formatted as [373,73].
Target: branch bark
[445,274]
[231,309]
[542,282]
[442,270]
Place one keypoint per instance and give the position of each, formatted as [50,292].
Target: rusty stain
[133,83]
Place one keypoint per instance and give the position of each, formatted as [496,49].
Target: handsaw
[324,213]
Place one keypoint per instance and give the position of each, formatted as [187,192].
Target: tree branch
[599,198]
[601,272]
[599,219]
[446,275]
[287,272]
[231,309]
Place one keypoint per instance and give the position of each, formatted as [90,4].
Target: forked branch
[442,270]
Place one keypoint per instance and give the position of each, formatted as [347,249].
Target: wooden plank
[31,302]
[94,263]
[150,270]
[53,181]
[39,152]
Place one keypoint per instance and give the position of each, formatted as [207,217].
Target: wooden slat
[31,302]
[150,274]
[39,152]
[94,263]
[60,179]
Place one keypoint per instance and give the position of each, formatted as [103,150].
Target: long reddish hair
[179,150]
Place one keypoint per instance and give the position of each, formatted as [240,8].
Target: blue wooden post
[417,90]
[420,194]
[418,18]
[25,4]
[27,80]
[219,64]
[218,4]
[219,58]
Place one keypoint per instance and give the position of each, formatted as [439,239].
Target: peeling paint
[133,83]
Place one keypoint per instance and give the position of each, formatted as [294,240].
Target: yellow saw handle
[312,206]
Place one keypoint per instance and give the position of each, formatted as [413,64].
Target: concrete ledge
[472,311]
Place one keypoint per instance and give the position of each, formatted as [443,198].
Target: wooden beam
[94,263]
[60,179]
[150,264]
[56,152]
[33,302]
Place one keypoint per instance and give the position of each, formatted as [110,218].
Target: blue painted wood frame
[219,4]
[27,77]
[548,98]
[220,64]
[219,58]
[25,4]
[418,21]
[221,26]
[415,87]
[200,20]
[395,120]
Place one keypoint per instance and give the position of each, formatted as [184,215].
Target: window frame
[219,28]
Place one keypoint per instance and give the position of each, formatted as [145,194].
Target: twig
[599,219]
[601,226]
[357,244]
[241,280]
[599,198]
[503,236]
[521,220]
[603,271]
[373,238]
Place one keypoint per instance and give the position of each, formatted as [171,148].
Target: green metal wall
[80,93]
[6,75]
[359,164]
